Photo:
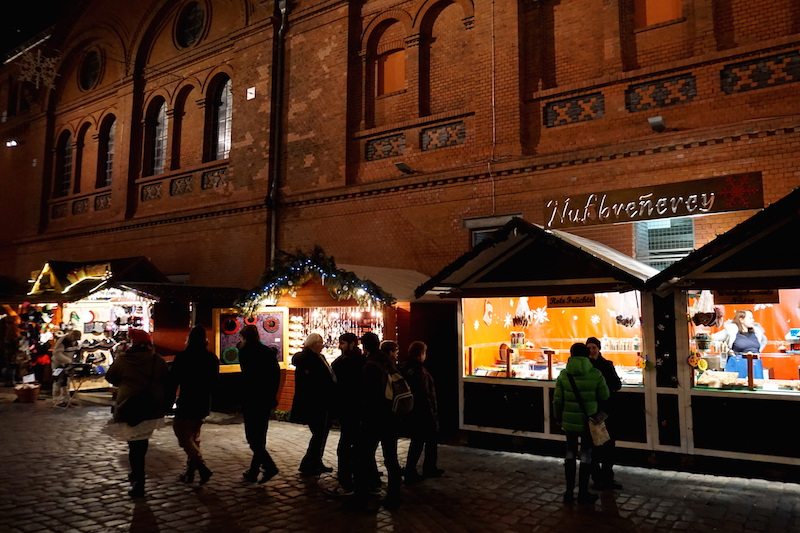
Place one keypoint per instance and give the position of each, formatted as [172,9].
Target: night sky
[23,19]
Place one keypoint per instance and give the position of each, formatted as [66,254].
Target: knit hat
[578,349]
[593,340]
[139,336]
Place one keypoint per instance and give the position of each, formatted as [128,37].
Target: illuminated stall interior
[753,268]
[528,294]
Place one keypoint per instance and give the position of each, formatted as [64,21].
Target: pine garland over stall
[292,271]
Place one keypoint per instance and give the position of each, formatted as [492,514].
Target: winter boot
[569,475]
[205,472]
[584,496]
[188,475]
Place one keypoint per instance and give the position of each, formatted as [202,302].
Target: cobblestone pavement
[60,472]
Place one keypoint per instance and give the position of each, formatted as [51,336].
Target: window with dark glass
[221,127]
[189,25]
[89,73]
[105,172]
[155,139]
[63,165]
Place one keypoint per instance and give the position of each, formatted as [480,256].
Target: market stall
[739,344]
[527,294]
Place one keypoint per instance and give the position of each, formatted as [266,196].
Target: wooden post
[469,361]
[750,356]
[549,354]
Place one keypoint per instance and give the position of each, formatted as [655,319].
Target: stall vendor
[742,335]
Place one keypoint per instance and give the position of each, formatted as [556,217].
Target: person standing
[578,389]
[423,422]
[348,369]
[63,352]
[603,456]
[314,384]
[194,372]
[378,422]
[141,402]
[261,376]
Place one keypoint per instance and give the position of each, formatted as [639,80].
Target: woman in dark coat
[141,376]
[261,376]
[314,393]
[423,422]
[194,372]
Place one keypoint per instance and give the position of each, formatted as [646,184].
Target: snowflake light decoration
[595,319]
[476,325]
[759,307]
[540,315]
[38,69]
[507,321]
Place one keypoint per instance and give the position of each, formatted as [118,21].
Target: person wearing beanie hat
[578,380]
[141,375]
[603,456]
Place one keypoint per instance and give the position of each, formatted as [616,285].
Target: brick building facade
[401,122]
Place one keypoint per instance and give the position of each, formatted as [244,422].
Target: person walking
[348,369]
[141,401]
[603,456]
[63,352]
[578,388]
[194,372]
[423,422]
[378,422]
[261,376]
[314,393]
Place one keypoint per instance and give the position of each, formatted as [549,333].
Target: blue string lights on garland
[292,271]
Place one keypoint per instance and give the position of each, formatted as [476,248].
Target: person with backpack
[378,422]
[423,421]
[578,389]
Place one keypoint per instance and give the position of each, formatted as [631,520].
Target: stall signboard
[735,296]
[571,300]
[697,197]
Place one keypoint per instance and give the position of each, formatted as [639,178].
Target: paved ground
[60,472]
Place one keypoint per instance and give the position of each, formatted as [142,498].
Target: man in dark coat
[603,456]
[348,368]
[261,377]
[314,394]
[194,372]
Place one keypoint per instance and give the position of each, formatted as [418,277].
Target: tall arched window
[155,138]
[63,169]
[391,72]
[105,154]
[221,126]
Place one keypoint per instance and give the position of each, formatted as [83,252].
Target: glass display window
[529,337]
[745,340]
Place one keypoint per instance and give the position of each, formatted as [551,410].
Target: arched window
[105,153]
[156,138]
[651,12]
[222,111]
[391,72]
[63,170]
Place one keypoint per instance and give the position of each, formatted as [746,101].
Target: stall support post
[549,354]
[750,357]
[469,361]
[508,363]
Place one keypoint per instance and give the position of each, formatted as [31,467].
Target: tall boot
[584,473]
[569,475]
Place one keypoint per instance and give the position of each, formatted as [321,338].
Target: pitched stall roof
[763,252]
[525,259]
[398,282]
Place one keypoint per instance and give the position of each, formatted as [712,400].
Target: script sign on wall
[698,197]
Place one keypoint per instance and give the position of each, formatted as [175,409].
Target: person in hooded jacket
[314,394]
[261,377]
[194,372]
[348,368]
[567,410]
[141,375]
[423,422]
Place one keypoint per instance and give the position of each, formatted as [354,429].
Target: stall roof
[398,282]
[759,253]
[525,259]
[217,296]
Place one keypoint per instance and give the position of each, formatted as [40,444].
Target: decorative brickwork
[213,179]
[151,192]
[80,206]
[58,211]
[578,109]
[760,73]
[102,201]
[385,147]
[182,185]
[446,135]
[661,93]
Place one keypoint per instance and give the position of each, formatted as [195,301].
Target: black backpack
[399,393]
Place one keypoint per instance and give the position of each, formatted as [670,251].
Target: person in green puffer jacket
[568,413]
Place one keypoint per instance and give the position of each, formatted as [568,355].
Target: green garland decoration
[291,271]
